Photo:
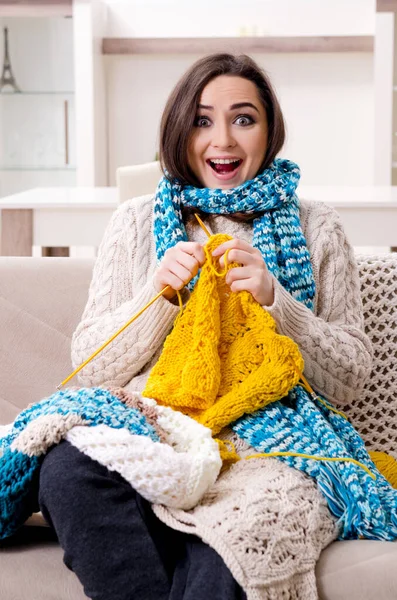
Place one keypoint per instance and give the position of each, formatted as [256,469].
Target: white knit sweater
[336,351]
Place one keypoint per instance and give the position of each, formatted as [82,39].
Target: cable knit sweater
[268,521]
[336,351]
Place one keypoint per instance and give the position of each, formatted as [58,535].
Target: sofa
[41,300]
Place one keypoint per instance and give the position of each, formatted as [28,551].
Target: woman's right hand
[178,266]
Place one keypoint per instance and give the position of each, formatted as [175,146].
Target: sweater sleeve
[121,285]
[336,351]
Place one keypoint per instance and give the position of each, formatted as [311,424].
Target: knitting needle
[138,314]
[202,225]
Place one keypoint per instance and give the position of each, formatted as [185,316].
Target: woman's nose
[222,137]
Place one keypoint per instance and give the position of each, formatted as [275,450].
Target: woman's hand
[252,276]
[178,266]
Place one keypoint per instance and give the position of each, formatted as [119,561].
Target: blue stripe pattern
[19,472]
[363,506]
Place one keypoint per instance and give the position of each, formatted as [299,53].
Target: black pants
[115,544]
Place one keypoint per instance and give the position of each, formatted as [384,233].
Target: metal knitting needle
[138,314]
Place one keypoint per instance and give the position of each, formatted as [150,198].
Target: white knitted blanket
[175,473]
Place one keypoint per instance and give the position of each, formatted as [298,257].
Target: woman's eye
[244,120]
[202,122]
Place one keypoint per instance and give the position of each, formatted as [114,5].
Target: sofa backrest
[375,413]
[41,301]
[137,180]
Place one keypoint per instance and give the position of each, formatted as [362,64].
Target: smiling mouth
[224,168]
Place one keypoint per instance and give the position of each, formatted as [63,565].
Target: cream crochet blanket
[268,522]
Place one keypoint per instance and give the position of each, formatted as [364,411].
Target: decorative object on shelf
[7,77]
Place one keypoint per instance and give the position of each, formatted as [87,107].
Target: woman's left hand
[253,275]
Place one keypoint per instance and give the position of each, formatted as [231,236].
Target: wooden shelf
[37,2]
[386,6]
[114,46]
[36,8]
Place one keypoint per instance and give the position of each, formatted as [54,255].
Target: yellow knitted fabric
[223,358]
[386,464]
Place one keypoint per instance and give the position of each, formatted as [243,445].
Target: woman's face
[229,138]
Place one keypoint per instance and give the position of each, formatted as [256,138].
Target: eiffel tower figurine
[7,77]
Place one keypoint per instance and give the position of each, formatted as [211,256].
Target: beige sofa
[41,300]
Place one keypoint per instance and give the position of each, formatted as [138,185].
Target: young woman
[221,132]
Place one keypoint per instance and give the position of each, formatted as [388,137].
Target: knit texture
[223,358]
[362,499]
[336,352]
[277,233]
[337,356]
[166,456]
[219,364]
[269,524]
[374,414]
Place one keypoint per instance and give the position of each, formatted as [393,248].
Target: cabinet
[37,140]
[37,123]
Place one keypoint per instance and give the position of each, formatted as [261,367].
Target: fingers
[238,251]
[178,275]
[184,259]
[179,265]
[234,243]
[242,257]
[193,249]
[182,262]
[238,274]
[258,282]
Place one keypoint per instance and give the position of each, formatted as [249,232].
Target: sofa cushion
[31,568]
[358,570]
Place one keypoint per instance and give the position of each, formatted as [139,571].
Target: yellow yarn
[314,457]
[387,465]
[223,358]
[227,452]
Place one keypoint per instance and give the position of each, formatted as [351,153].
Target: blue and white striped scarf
[362,500]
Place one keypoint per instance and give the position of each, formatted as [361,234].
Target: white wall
[327,99]
[327,102]
[181,18]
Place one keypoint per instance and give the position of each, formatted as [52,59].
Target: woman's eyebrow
[243,105]
[232,107]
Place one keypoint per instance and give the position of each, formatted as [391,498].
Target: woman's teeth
[224,165]
[224,161]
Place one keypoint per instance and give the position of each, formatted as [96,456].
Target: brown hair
[180,111]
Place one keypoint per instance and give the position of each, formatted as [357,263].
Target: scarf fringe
[365,505]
